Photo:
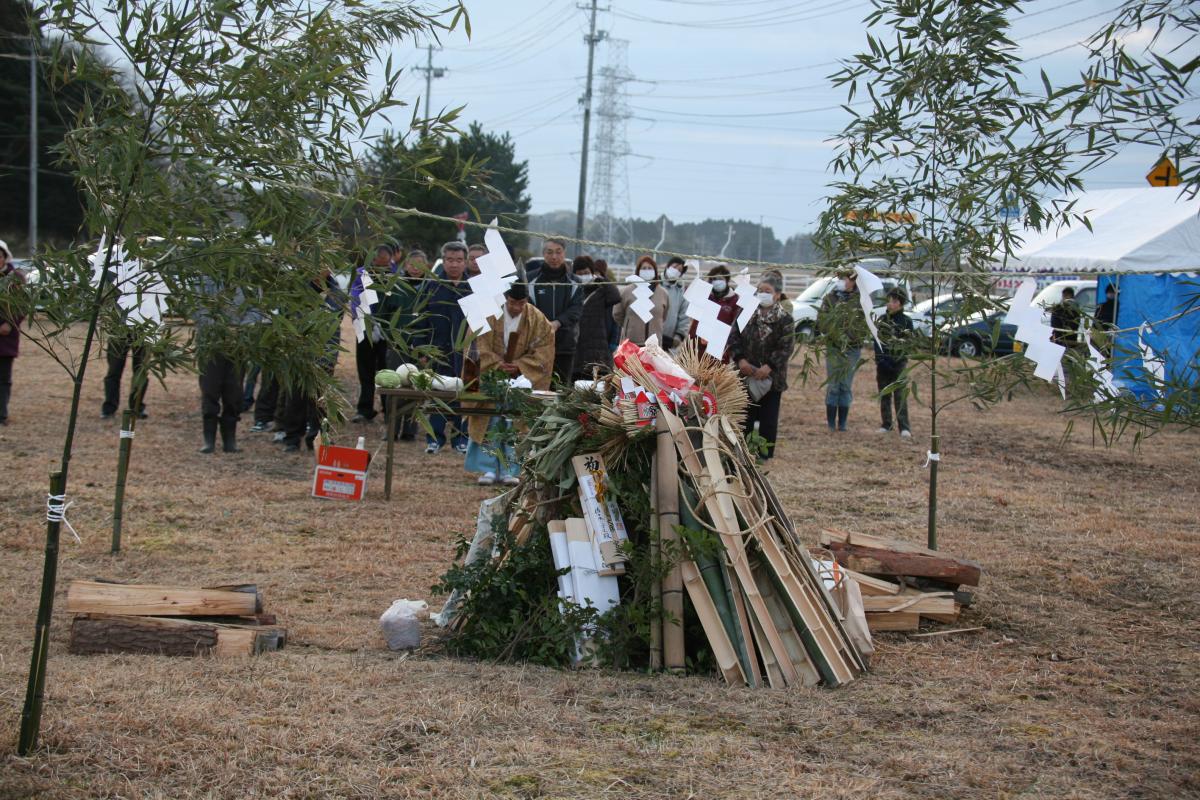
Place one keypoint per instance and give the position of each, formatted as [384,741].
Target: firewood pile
[217,621]
[903,583]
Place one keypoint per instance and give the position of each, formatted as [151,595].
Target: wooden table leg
[390,427]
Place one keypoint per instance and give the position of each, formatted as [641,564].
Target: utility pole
[760,223]
[592,39]
[431,72]
[33,146]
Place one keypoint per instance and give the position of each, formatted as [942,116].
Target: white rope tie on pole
[931,456]
[56,511]
[126,434]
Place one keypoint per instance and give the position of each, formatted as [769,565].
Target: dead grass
[1084,683]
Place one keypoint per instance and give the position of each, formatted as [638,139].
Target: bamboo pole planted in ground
[668,518]
[127,425]
[31,714]
[656,627]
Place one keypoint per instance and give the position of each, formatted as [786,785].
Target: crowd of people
[561,322]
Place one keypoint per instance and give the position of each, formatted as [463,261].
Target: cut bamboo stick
[724,519]
[668,518]
[710,620]
[656,644]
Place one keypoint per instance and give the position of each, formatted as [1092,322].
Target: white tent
[1132,230]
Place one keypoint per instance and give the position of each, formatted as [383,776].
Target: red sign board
[341,473]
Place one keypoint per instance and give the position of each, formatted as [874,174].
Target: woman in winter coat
[599,299]
[10,332]
[633,327]
[761,353]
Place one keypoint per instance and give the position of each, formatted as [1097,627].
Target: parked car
[949,307]
[982,333]
[807,303]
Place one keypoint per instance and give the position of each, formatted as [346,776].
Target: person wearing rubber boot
[840,321]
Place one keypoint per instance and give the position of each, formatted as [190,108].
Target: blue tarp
[1156,299]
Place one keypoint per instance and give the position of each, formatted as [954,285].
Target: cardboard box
[349,459]
[336,484]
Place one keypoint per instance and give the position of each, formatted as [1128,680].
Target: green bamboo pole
[128,420]
[668,517]
[656,618]
[31,714]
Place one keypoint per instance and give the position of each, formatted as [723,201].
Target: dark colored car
[985,333]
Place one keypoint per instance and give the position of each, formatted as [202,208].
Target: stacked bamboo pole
[667,478]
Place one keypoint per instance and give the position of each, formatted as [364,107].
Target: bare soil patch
[1083,684]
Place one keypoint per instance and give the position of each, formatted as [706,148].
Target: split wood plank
[925,604]
[149,600]
[900,621]
[867,585]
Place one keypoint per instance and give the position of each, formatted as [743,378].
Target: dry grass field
[1084,682]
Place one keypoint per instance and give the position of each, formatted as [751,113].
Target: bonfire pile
[218,621]
[721,546]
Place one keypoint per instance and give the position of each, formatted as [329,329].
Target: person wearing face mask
[599,298]
[632,326]
[784,302]
[676,323]
[761,353]
[840,321]
[722,294]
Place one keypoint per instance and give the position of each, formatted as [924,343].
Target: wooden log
[93,635]
[674,657]
[876,556]
[899,621]
[148,600]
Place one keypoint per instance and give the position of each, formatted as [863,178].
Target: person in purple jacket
[10,331]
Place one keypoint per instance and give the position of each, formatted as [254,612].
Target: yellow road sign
[1163,174]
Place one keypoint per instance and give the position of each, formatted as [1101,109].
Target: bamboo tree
[928,166]
[223,156]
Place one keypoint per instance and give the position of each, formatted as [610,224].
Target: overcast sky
[731,106]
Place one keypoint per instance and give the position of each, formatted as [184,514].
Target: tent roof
[1133,230]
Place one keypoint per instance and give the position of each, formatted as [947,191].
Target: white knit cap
[4,247]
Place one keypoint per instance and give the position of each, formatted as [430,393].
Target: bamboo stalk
[656,618]
[123,452]
[668,518]
[31,714]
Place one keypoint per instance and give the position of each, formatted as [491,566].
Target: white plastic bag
[401,624]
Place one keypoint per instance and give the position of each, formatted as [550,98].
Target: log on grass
[876,556]
[84,597]
[95,635]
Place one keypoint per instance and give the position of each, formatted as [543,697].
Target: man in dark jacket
[559,298]
[442,326]
[10,332]
[895,328]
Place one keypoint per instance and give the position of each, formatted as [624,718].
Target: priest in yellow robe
[531,355]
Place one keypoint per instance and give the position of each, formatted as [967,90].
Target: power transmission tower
[431,72]
[610,180]
[593,38]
